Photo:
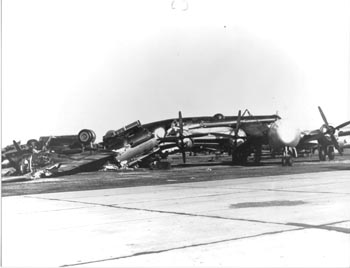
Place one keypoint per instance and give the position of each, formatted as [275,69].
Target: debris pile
[45,158]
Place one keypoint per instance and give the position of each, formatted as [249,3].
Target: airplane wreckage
[146,145]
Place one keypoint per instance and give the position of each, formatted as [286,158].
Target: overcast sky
[74,64]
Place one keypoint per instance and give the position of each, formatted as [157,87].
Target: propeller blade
[323,116]
[343,125]
[238,122]
[17,147]
[237,126]
[344,133]
[182,149]
[181,124]
[336,144]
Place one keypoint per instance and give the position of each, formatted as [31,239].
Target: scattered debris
[8,172]
[46,172]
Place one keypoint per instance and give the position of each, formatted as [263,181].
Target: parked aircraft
[325,137]
[344,139]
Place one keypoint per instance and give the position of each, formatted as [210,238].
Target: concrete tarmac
[297,220]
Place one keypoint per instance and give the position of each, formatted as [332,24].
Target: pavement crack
[182,247]
[327,227]
[164,211]
[304,226]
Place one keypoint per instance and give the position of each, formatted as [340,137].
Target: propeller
[237,126]
[17,147]
[323,116]
[181,126]
[331,130]
[343,125]
[236,130]
[344,133]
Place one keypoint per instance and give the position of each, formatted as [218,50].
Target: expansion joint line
[297,227]
[304,226]
[181,247]
[161,211]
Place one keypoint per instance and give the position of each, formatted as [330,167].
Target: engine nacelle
[186,143]
[159,132]
[128,128]
[116,138]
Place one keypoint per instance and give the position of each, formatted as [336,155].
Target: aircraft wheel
[257,157]
[235,158]
[322,154]
[289,161]
[284,161]
[218,116]
[86,136]
[330,153]
[33,143]
[243,160]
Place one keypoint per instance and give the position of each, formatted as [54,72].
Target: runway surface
[290,220]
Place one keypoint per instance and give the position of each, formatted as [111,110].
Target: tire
[322,154]
[257,157]
[330,153]
[284,161]
[86,136]
[33,143]
[219,116]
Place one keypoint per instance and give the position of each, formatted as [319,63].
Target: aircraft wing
[308,136]
[67,165]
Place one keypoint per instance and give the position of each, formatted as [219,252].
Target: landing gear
[330,153]
[240,158]
[287,156]
[86,136]
[324,151]
[273,154]
[257,154]
[287,161]
[33,144]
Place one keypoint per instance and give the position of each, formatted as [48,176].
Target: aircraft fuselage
[282,134]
